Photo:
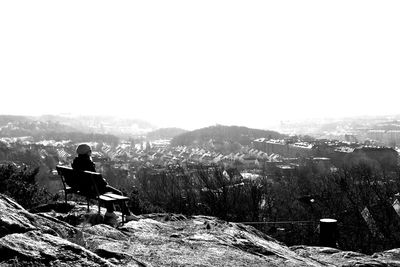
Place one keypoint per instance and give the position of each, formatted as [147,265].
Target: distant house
[250,176]
[344,149]
[206,158]
[250,161]
[184,154]
[63,156]
[261,155]
[218,158]
[260,144]
[99,156]
[385,157]
[156,155]
[195,157]
[160,143]
[284,148]
[286,169]
[43,153]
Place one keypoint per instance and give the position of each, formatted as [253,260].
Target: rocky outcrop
[40,240]
[46,239]
[335,257]
[39,248]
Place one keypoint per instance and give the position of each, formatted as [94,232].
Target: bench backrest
[87,183]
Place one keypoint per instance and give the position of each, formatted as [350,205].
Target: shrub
[19,183]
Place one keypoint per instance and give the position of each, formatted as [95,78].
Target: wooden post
[327,232]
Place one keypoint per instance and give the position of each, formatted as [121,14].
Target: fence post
[327,232]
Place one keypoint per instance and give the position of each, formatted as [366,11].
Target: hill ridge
[219,133]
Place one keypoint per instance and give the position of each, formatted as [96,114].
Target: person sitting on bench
[83,162]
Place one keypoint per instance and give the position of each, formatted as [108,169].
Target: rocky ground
[68,235]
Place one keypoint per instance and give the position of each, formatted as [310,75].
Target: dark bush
[19,183]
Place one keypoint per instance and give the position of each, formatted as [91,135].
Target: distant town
[262,156]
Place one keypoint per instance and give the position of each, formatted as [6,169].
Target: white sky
[196,63]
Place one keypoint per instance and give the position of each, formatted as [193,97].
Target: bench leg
[87,199]
[124,208]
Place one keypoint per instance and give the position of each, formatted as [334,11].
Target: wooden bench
[86,184]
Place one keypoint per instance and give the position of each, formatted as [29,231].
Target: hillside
[38,129]
[103,124]
[220,133]
[61,234]
[17,126]
[47,125]
[165,133]
[4,119]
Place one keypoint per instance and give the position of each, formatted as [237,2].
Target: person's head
[84,149]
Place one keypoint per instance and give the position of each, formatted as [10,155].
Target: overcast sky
[197,63]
